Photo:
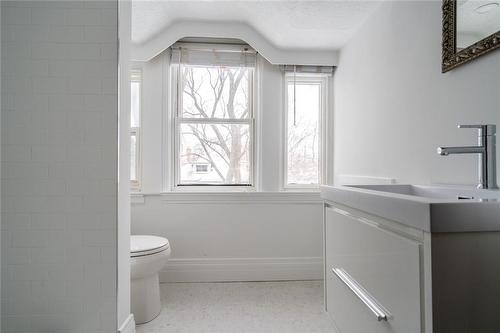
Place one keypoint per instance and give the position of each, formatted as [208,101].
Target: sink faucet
[486,149]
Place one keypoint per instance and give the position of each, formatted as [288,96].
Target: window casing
[304,131]
[213,117]
[135,129]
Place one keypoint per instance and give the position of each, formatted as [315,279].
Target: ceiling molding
[275,55]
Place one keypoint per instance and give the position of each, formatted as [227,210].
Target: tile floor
[241,307]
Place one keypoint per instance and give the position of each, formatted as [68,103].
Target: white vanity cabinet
[374,276]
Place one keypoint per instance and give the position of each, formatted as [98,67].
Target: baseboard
[242,269]
[128,325]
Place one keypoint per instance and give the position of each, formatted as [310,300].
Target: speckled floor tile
[241,307]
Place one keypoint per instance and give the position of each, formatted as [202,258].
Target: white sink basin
[444,193]
[429,208]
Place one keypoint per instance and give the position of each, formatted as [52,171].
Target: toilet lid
[141,245]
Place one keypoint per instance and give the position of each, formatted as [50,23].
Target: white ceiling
[317,25]
[470,18]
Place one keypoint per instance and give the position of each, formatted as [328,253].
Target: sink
[448,193]
[428,208]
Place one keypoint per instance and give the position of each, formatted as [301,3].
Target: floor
[241,307]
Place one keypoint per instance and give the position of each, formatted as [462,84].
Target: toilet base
[145,298]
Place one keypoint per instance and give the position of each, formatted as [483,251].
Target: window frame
[136,185]
[323,81]
[177,120]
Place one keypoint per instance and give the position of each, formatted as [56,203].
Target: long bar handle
[375,307]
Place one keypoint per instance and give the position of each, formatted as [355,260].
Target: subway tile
[13,119]
[109,16]
[48,288]
[24,170]
[85,85]
[24,135]
[59,132]
[83,51]
[105,103]
[84,153]
[33,103]
[48,221]
[47,255]
[27,272]
[16,256]
[66,103]
[13,15]
[16,323]
[13,221]
[15,50]
[27,68]
[66,171]
[98,237]
[25,33]
[48,16]
[66,34]
[100,33]
[84,16]
[11,288]
[109,51]
[29,238]
[16,153]
[50,85]
[47,187]
[48,153]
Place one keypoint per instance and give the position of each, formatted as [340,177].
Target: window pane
[133,157]
[303,133]
[135,103]
[214,154]
[215,92]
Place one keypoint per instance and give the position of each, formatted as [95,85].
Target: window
[213,115]
[135,128]
[305,105]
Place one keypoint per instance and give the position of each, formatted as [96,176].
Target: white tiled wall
[59,161]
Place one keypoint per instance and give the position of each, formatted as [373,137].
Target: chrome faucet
[486,149]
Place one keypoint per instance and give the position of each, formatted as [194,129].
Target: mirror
[471,28]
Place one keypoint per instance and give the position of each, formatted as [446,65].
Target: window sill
[231,197]
[212,189]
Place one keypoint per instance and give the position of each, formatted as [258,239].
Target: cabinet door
[385,265]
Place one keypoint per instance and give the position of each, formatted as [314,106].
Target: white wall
[268,235]
[59,171]
[236,237]
[393,106]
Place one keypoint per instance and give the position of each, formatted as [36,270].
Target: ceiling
[479,17]
[317,25]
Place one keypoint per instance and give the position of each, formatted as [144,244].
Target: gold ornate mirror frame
[452,58]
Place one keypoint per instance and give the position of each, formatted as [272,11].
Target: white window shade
[308,69]
[198,54]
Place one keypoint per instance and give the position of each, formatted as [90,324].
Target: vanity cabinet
[373,273]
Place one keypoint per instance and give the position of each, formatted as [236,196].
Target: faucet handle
[486,129]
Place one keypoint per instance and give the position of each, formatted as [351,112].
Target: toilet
[148,256]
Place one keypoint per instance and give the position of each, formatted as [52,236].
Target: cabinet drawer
[385,265]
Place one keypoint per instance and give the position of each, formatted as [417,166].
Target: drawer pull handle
[378,309]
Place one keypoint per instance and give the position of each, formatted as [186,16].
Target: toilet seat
[144,245]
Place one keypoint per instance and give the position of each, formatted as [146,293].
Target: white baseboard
[128,325]
[242,269]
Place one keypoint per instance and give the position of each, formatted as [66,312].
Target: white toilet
[148,256]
